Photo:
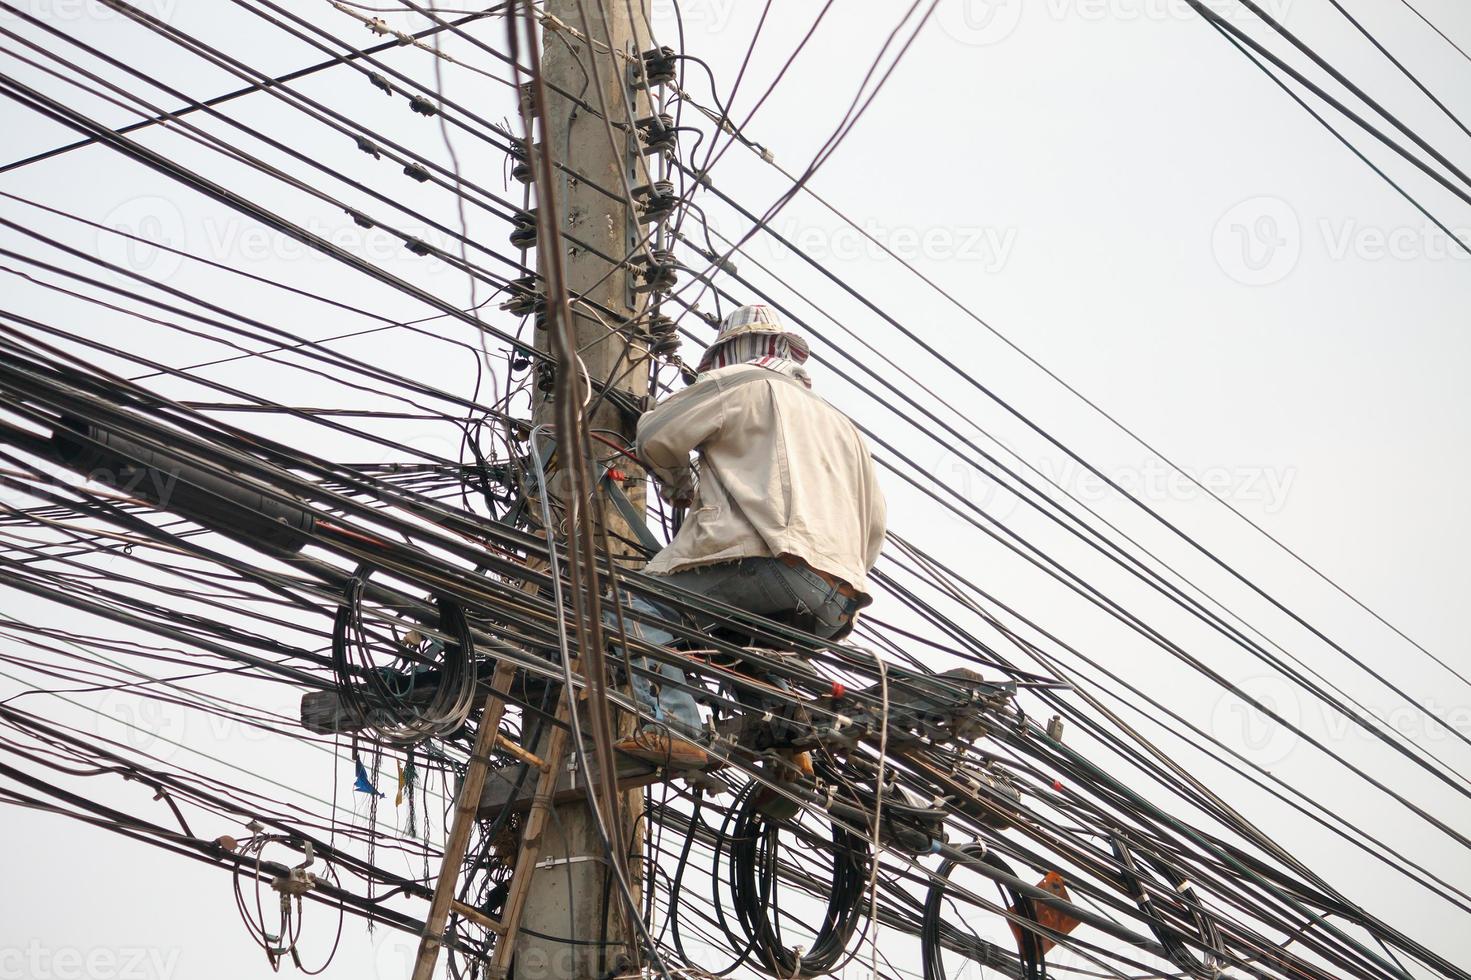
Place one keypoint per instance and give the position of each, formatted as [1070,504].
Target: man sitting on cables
[785,519]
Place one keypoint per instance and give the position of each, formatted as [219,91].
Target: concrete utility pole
[570,895]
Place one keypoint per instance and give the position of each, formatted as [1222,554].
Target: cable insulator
[660,327]
[521,166]
[656,201]
[523,235]
[660,65]
[658,133]
[525,298]
[658,269]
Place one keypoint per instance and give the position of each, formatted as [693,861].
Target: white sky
[1108,183]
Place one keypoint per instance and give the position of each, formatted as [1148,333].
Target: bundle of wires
[1033,961]
[287,935]
[175,595]
[1185,907]
[382,698]
[755,860]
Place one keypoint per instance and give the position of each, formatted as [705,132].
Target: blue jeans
[764,586]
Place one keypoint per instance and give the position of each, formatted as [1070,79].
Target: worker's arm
[878,520]
[676,427]
[878,508]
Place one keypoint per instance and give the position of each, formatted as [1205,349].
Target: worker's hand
[679,488]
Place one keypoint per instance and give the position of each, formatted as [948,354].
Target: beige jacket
[781,472]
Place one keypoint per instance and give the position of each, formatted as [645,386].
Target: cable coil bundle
[1033,958]
[383,698]
[290,888]
[754,864]
[1207,935]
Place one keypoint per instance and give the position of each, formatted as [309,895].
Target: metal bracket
[574,859]
[629,514]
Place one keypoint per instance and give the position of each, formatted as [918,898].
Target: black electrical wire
[1033,960]
[754,851]
[382,698]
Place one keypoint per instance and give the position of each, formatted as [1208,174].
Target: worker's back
[782,473]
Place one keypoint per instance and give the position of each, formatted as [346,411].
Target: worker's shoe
[705,782]
[669,751]
[802,761]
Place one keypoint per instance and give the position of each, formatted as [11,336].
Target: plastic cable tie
[1183,887]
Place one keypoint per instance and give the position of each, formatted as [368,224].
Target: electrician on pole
[786,517]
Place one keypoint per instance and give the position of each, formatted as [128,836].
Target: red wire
[609,442]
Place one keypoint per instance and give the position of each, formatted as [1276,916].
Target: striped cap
[754,319]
